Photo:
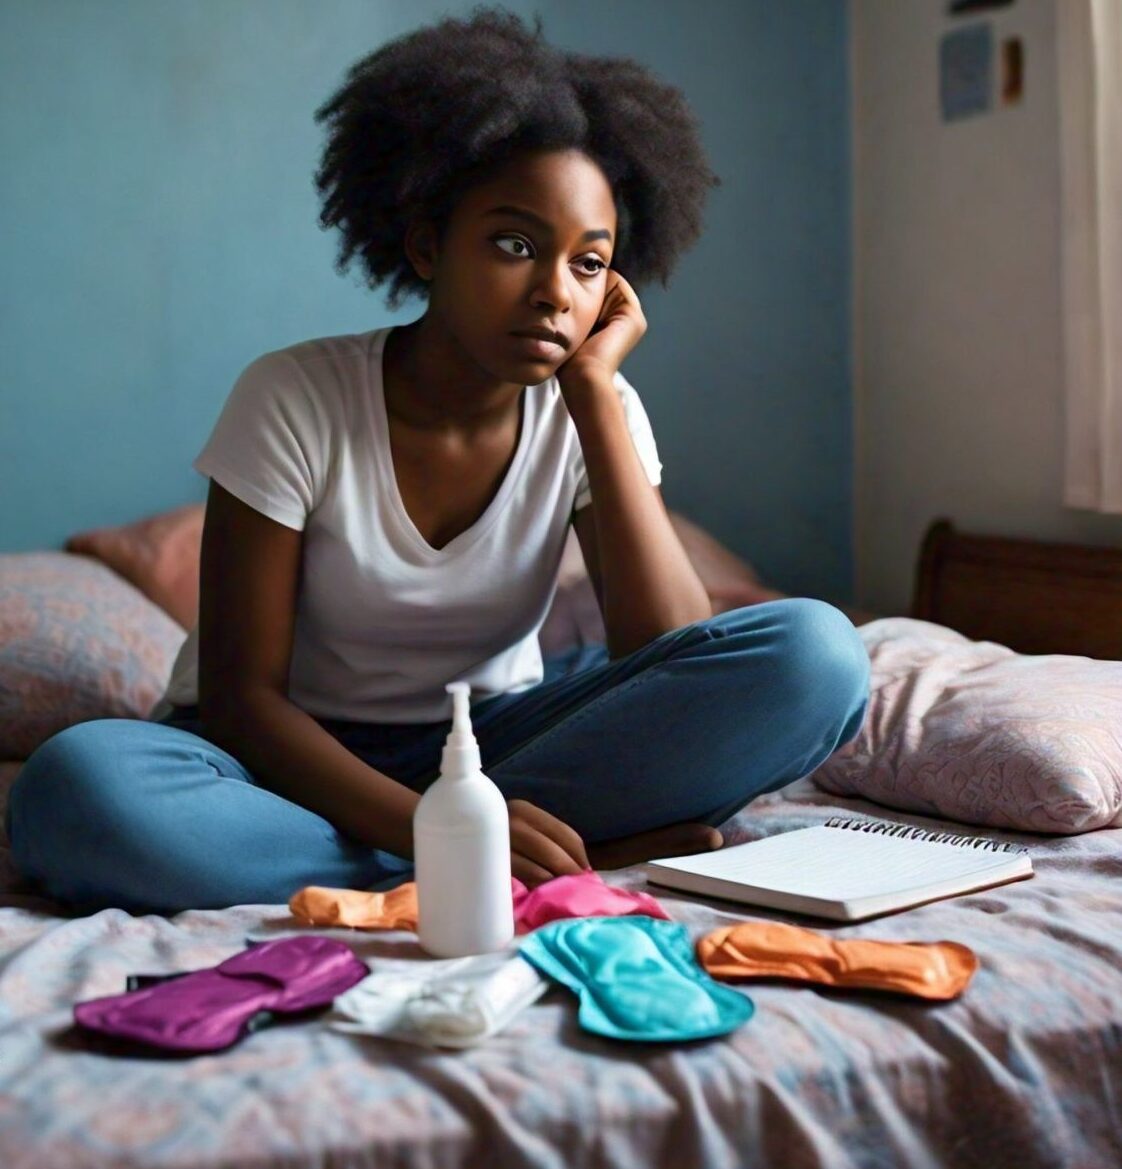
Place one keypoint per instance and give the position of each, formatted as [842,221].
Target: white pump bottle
[461,850]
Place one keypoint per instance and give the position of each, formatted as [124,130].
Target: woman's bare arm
[248,587]
[638,594]
[644,580]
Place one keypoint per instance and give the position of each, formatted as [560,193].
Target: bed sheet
[1025,1069]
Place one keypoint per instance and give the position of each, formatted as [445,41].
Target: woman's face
[528,248]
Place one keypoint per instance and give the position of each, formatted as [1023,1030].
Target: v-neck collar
[388,476]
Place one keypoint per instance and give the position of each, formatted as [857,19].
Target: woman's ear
[420,247]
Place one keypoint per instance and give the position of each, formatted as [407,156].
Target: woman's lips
[537,348]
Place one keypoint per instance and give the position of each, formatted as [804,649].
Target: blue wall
[159,231]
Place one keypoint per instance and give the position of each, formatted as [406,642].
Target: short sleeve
[267,445]
[641,435]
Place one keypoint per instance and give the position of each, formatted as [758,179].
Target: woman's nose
[552,289]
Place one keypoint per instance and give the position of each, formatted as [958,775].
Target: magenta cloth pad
[210,1009]
[578,895]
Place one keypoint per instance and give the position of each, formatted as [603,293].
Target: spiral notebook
[846,869]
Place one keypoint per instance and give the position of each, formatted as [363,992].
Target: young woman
[387,511]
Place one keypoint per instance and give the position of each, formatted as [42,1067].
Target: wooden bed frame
[1034,596]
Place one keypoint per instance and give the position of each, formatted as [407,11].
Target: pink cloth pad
[578,895]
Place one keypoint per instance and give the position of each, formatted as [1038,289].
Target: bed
[1024,1069]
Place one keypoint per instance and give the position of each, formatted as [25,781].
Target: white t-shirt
[384,620]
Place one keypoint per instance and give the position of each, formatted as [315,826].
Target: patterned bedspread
[1024,1070]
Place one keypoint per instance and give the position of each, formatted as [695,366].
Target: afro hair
[420,120]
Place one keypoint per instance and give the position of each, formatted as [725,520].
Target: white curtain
[1089,36]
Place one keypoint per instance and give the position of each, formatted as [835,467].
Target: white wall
[957,355]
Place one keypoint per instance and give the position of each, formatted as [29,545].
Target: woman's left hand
[617,331]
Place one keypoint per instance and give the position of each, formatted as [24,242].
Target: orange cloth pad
[762,949]
[395,910]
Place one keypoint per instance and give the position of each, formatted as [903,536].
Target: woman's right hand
[541,846]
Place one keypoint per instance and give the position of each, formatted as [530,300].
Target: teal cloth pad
[637,978]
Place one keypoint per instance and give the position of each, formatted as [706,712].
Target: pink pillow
[575,619]
[730,582]
[159,554]
[972,731]
[76,642]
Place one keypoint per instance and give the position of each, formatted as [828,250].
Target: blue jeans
[152,816]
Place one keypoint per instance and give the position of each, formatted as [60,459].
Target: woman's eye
[516,242]
[515,245]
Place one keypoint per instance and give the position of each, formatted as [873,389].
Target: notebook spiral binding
[882,828]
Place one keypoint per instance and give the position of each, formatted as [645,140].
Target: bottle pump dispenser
[461,850]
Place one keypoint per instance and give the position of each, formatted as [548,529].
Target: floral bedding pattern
[1025,1069]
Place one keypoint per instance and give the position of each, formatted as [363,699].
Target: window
[1089,38]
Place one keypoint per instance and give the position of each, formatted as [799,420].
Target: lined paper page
[841,864]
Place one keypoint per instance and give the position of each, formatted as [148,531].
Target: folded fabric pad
[637,978]
[210,1009]
[764,949]
[578,895]
[457,1002]
[322,905]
